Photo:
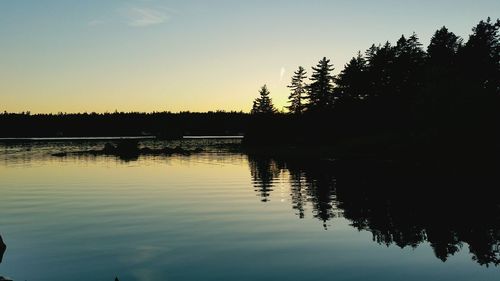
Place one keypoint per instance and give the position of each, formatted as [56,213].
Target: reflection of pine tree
[374,200]
[484,246]
[263,171]
[298,192]
[315,186]
[321,192]
[445,242]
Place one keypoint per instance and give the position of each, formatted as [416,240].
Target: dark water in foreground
[222,215]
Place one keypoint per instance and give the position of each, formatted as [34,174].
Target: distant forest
[166,125]
[445,96]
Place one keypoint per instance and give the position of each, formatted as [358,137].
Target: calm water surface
[222,215]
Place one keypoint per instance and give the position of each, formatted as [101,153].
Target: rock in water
[3,247]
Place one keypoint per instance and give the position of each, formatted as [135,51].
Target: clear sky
[197,55]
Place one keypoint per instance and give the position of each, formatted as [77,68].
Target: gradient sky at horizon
[197,55]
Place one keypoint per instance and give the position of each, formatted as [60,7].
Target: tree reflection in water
[264,171]
[404,205]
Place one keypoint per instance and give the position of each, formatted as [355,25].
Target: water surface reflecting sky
[232,216]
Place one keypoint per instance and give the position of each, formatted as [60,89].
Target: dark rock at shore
[3,247]
[122,147]
[109,148]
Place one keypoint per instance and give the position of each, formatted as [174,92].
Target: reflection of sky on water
[197,218]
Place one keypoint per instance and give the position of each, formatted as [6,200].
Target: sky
[196,55]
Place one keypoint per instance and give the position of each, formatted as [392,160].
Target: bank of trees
[404,75]
[442,99]
[167,125]
[451,88]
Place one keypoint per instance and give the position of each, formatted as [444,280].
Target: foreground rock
[3,247]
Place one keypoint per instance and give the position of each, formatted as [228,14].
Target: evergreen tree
[408,66]
[372,52]
[263,104]
[380,62]
[477,99]
[407,77]
[298,91]
[351,82]
[443,47]
[481,58]
[320,91]
[441,84]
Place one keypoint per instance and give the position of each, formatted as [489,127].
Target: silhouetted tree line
[445,96]
[160,124]
[403,205]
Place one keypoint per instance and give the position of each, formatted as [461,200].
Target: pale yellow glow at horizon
[104,90]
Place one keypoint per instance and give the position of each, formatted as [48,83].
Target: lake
[224,214]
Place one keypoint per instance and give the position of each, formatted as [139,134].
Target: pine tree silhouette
[351,82]
[320,91]
[298,90]
[263,104]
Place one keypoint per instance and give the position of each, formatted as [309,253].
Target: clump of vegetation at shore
[130,149]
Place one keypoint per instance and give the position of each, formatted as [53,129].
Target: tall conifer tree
[320,94]
[263,104]
[351,82]
[298,91]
